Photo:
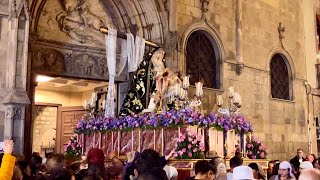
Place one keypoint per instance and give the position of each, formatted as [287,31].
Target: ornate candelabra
[234,103]
[181,94]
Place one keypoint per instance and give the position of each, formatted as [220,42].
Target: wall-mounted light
[42,78]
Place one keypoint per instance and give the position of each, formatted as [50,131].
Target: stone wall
[280,124]
[45,123]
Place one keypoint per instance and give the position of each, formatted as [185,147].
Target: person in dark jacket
[297,159]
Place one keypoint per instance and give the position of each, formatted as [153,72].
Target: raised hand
[8,146]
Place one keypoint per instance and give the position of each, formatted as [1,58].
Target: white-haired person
[242,173]
[305,165]
[285,171]
[310,174]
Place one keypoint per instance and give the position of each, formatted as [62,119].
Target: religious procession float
[157,113]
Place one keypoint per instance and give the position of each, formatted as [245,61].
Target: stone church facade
[62,38]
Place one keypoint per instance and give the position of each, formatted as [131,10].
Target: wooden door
[69,118]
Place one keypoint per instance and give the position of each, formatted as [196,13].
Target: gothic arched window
[202,59]
[281,85]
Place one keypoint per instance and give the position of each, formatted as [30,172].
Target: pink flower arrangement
[255,148]
[189,146]
[73,148]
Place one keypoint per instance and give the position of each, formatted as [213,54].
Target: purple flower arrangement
[189,146]
[255,148]
[168,119]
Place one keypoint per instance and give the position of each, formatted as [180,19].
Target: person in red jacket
[8,161]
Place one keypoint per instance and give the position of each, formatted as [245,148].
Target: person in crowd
[316,163]
[148,159]
[115,166]
[242,173]
[310,174]
[257,173]
[35,164]
[275,170]
[155,173]
[310,158]
[17,174]
[128,169]
[270,167]
[285,171]
[305,165]
[234,162]
[204,170]
[56,165]
[297,159]
[96,159]
[24,168]
[8,161]
[172,172]
[220,167]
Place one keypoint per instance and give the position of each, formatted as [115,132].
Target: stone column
[16,72]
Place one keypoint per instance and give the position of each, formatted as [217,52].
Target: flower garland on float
[168,119]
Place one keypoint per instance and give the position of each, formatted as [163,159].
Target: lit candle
[236,98]
[85,104]
[186,82]
[93,99]
[219,100]
[199,91]
[177,90]
[182,93]
[231,91]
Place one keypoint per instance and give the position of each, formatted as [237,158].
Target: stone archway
[65,39]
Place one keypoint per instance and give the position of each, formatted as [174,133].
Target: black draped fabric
[142,86]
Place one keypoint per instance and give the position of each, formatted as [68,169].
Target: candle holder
[234,103]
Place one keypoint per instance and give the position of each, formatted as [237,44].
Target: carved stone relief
[61,62]
[48,60]
[79,22]
[73,21]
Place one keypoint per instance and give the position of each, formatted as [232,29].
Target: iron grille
[280,87]
[201,60]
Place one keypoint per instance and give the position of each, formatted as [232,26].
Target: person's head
[156,173]
[24,167]
[242,173]
[96,156]
[131,156]
[35,164]
[310,174]
[17,174]
[270,166]
[305,165]
[310,158]
[204,170]
[255,169]
[285,169]
[275,168]
[235,161]
[219,165]
[148,159]
[56,163]
[299,153]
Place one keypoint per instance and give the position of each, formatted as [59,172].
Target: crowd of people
[148,165]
